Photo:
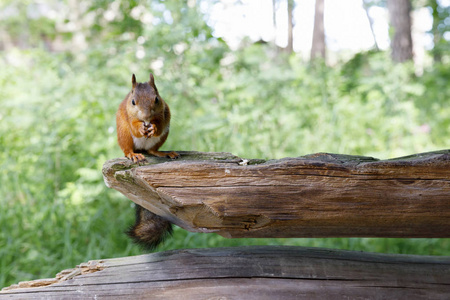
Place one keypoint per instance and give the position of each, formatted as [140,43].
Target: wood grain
[319,195]
[257,272]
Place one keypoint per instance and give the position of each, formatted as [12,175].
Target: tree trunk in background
[318,42]
[290,45]
[366,5]
[400,19]
[437,36]
[274,14]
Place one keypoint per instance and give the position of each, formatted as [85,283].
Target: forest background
[66,65]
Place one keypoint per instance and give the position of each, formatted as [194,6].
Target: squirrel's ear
[152,81]
[133,81]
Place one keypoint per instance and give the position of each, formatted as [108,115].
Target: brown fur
[149,229]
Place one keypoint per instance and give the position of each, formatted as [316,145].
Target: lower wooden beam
[257,272]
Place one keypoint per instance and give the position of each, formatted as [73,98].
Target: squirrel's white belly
[145,143]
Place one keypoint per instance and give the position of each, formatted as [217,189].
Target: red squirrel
[143,122]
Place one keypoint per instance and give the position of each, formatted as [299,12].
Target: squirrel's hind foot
[172,155]
[137,158]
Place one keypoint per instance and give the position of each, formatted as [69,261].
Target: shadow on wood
[264,272]
[319,195]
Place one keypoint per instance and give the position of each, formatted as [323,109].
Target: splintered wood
[319,195]
[82,269]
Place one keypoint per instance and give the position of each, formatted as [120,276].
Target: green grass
[57,128]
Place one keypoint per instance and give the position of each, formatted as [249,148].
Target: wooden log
[319,195]
[257,272]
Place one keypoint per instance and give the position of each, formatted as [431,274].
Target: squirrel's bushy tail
[149,230]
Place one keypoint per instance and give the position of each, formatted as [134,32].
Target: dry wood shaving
[82,269]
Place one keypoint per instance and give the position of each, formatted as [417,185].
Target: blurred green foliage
[57,128]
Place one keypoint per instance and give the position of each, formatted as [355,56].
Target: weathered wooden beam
[264,272]
[318,195]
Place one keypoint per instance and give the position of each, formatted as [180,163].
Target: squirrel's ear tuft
[152,81]
[133,81]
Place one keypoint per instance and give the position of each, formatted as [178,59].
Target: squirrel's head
[144,101]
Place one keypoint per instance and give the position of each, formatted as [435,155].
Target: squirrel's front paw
[143,129]
[150,130]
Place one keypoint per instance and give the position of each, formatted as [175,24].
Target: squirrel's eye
[132,102]
[156,100]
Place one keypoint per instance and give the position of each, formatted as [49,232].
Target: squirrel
[143,121]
